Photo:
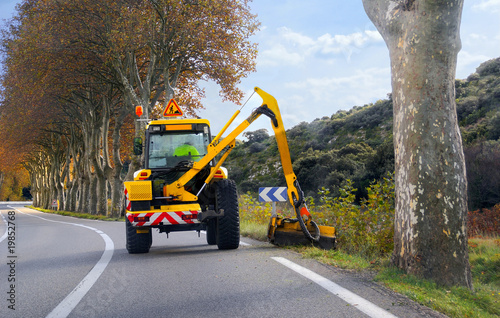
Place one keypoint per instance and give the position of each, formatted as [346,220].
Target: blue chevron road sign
[273,194]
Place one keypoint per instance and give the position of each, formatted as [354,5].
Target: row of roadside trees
[73,71]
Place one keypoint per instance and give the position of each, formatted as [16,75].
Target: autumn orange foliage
[12,184]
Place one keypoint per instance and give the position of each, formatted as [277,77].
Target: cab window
[167,149]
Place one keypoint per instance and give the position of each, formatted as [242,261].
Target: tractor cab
[170,143]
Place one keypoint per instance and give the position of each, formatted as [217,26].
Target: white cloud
[292,48]
[478,37]
[340,42]
[466,60]
[347,44]
[488,5]
[325,95]
[295,38]
[477,48]
[375,36]
[279,54]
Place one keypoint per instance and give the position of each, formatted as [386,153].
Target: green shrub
[251,210]
[366,229]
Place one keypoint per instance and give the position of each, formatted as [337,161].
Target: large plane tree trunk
[430,238]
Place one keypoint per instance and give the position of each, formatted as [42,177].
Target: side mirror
[137,146]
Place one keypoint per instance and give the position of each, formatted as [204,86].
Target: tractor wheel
[212,232]
[137,242]
[228,226]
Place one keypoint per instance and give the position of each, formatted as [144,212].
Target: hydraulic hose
[306,232]
[297,202]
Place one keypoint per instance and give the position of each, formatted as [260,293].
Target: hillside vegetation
[357,145]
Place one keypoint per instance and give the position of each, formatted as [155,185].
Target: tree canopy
[75,69]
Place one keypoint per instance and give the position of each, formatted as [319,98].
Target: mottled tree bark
[115,176]
[430,238]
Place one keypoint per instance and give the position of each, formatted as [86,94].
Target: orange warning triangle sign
[172,109]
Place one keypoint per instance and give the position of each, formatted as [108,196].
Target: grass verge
[454,301]
[253,230]
[336,258]
[484,257]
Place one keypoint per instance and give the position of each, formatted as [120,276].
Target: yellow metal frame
[280,135]
[280,224]
[270,108]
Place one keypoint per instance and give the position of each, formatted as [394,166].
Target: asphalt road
[55,266]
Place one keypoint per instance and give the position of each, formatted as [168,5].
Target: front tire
[137,242]
[228,226]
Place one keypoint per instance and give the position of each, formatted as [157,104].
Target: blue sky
[320,56]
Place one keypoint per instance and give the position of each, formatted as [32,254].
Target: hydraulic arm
[269,108]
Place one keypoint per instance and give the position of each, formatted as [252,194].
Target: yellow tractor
[183,186]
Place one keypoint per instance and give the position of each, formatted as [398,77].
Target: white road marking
[358,302]
[75,296]
[4,236]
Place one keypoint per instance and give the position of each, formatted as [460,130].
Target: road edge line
[69,303]
[4,236]
[356,301]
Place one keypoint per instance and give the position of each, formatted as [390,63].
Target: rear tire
[212,231]
[137,242]
[228,226]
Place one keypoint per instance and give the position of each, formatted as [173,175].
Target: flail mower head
[301,230]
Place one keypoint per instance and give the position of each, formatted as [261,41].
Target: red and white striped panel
[128,204]
[177,217]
